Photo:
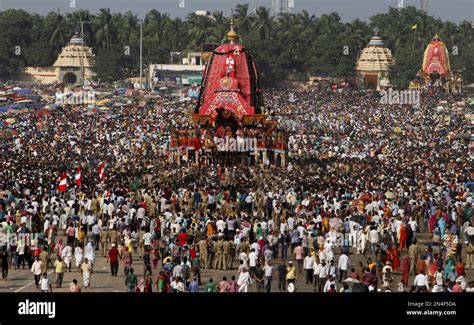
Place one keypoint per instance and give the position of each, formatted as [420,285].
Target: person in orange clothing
[405,270]
[211,229]
[394,258]
[403,237]
[460,268]
[421,264]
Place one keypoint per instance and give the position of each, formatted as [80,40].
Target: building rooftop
[375,57]
[75,55]
[376,41]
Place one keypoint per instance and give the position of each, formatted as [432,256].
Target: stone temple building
[73,66]
[373,65]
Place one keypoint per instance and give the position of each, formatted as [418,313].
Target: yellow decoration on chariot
[232,35]
[226,82]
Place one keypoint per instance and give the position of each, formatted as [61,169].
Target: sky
[447,10]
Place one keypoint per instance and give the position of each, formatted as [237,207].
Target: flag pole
[413,45]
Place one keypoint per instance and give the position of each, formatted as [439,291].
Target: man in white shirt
[132,212]
[469,231]
[268,269]
[45,225]
[283,227]
[308,265]
[220,224]
[373,239]
[421,282]
[252,260]
[110,209]
[248,201]
[140,214]
[112,223]
[343,265]
[243,257]
[96,234]
[36,270]
[290,222]
[90,219]
[316,270]
[330,282]
[323,273]
[147,240]
[414,226]
[256,248]
[45,284]
[301,231]
[438,277]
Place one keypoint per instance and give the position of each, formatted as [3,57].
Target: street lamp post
[141,53]
[82,53]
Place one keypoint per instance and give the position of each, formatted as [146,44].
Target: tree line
[297,45]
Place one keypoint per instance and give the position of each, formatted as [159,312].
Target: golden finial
[436,34]
[232,36]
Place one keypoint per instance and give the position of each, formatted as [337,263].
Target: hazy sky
[452,10]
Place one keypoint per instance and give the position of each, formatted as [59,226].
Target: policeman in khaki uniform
[203,252]
[244,246]
[114,236]
[104,238]
[44,258]
[226,253]
[219,260]
[232,254]
[211,250]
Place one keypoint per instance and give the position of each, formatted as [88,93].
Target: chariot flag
[101,171]
[78,177]
[63,183]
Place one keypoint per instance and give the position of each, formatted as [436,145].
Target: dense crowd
[380,184]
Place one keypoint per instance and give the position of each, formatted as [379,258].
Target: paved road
[102,281]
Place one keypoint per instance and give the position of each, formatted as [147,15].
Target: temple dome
[376,41]
[74,54]
[375,57]
[374,63]
[76,40]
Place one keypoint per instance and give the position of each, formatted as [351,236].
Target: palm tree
[262,24]
[56,25]
[330,24]
[243,21]
[74,21]
[199,29]
[127,26]
[221,26]
[156,23]
[75,18]
[103,25]
[357,33]
[176,34]
[285,24]
[449,32]
[305,20]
